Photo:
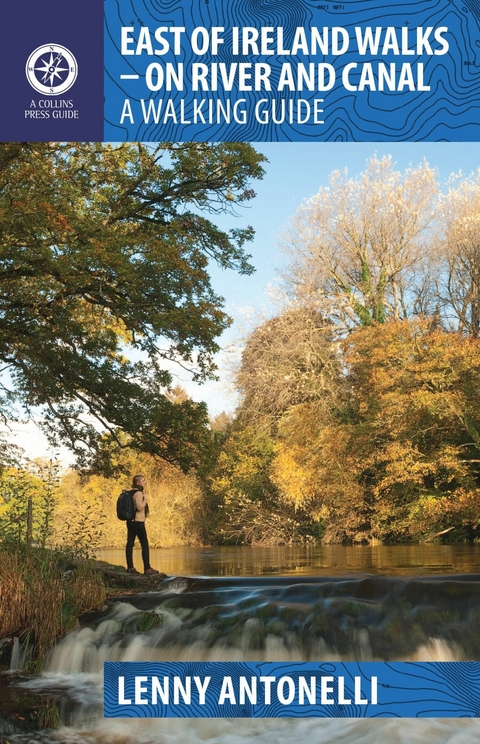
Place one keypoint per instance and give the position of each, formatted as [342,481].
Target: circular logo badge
[51,69]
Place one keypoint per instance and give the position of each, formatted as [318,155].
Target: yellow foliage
[176,502]
[318,471]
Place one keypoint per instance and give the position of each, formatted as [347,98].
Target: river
[272,604]
[310,560]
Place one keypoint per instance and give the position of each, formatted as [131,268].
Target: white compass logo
[51,69]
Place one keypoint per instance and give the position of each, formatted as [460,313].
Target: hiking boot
[132,571]
[151,571]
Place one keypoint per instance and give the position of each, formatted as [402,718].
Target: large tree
[401,461]
[289,359]
[104,256]
[359,246]
[416,431]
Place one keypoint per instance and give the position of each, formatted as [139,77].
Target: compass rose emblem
[51,69]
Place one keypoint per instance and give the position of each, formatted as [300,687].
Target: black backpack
[125,506]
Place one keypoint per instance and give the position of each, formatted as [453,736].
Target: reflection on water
[312,561]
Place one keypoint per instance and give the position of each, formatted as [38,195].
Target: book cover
[362,113]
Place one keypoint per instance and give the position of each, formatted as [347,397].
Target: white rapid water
[263,731]
[75,669]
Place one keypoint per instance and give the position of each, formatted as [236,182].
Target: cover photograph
[240,345]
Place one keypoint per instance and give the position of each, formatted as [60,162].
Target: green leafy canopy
[104,250]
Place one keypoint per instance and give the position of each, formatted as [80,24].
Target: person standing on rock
[136,528]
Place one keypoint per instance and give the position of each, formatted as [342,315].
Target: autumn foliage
[368,380]
[359,412]
[415,427]
[396,456]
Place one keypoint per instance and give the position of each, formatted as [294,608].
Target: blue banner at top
[303,71]
[147,70]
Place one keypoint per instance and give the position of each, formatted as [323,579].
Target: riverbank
[44,592]
[43,597]
[116,577]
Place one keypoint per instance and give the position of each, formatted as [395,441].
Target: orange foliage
[417,425]
[401,459]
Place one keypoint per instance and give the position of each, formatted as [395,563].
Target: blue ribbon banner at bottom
[293,690]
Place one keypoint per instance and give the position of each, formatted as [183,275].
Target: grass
[149,621]
[40,600]
[48,714]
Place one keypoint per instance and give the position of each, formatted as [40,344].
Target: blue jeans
[137,529]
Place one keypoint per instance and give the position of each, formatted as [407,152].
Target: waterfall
[19,653]
[262,619]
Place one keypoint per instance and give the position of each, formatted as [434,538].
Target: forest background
[357,416]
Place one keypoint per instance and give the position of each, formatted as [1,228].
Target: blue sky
[295,172]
